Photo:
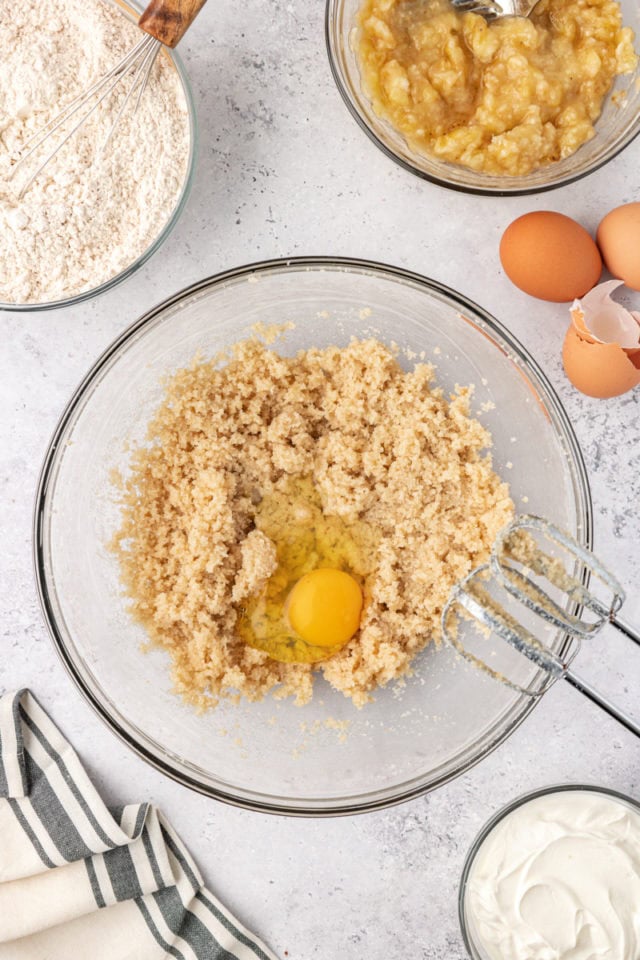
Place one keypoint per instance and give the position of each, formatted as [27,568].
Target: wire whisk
[164,22]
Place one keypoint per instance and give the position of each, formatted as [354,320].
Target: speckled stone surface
[284,170]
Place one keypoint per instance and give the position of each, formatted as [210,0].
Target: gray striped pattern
[11,745]
[4,786]
[171,950]
[50,811]
[129,854]
[20,817]
[95,886]
[57,759]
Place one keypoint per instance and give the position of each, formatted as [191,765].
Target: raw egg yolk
[324,607]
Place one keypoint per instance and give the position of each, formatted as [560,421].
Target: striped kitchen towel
[80,880]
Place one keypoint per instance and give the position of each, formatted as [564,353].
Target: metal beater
[165,22]
[515,570]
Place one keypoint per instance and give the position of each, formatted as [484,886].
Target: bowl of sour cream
[555,875]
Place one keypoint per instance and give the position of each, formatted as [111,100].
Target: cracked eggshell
[599,319]
[600,370]
[601,352]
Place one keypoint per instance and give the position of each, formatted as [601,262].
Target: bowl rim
[247,799]
[497,818]
[174,216]
[331,9]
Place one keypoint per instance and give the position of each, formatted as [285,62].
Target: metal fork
[496,9]
[515,560]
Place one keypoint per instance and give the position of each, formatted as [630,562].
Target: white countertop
[284,170]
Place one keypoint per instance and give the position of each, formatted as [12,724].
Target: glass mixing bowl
[472,941]
[616,128]
[327,757]
[132,10]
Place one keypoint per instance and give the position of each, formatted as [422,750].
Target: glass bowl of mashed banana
[513,106]
[285,427]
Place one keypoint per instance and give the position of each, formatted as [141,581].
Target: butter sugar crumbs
[381,445]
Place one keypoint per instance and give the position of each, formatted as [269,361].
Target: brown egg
[599,369]
[619,241]
[550,256]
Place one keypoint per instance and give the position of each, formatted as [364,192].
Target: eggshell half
[599,369]
[599,319]
[577,318]
[550,256]
[619,241]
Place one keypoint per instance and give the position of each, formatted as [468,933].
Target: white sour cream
[559,879]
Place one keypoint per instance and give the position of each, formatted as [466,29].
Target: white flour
[84,219]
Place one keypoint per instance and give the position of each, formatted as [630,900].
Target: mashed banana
[387,453]
[502,97]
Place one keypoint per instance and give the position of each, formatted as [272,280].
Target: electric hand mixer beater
[529,573]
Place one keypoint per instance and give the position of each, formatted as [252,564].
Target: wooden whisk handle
[169,20]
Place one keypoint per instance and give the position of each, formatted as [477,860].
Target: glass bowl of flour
[94,215]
